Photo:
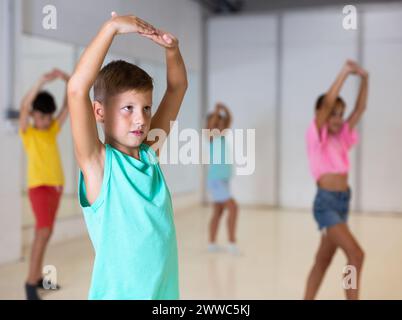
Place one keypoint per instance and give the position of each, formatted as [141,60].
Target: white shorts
[219,190]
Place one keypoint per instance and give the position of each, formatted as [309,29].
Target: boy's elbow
[75,88]
[72,87]
[178,87]
[183,85]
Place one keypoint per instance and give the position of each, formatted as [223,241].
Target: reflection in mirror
[37,56]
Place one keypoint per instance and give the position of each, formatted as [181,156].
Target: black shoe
[39,285]
[31,292]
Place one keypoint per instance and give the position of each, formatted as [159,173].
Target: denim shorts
[331,207]
[219,190]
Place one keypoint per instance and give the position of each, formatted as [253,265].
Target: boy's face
[126,118]
[335,121]
[42,121]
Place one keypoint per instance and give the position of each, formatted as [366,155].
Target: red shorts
[45,202]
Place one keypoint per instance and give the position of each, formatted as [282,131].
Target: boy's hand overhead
[131,24]
[164,39]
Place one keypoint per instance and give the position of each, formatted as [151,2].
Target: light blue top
[132,230]
[218,169]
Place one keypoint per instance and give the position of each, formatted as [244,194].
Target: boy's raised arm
[83,121]
[176,83]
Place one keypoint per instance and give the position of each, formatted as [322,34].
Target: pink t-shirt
[328,153]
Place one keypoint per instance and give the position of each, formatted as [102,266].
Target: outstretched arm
[361,101]
[176,83]
[88,147]
[328,103]
[28,99]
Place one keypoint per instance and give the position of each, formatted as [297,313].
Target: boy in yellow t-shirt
[45,173]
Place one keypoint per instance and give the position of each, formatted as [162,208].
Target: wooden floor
[277,252]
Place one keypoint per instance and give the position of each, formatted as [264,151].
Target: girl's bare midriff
[333,182]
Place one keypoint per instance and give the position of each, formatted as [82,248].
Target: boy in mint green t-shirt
[126,203]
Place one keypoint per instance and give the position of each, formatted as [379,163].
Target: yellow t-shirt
[44,164]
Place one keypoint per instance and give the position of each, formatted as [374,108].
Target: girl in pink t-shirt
[329,139]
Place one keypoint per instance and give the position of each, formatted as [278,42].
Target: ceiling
[227,7]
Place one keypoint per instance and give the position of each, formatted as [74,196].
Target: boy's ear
[99,111]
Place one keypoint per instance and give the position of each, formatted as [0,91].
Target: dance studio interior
[308,205]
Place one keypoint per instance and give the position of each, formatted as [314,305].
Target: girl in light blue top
[126,202]
[219,175]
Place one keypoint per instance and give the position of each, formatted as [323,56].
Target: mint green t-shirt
[132,230]
[218,169]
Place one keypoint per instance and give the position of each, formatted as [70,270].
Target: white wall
[10,212]
[242,73]
[186,178]
[79,21]
[382,126]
